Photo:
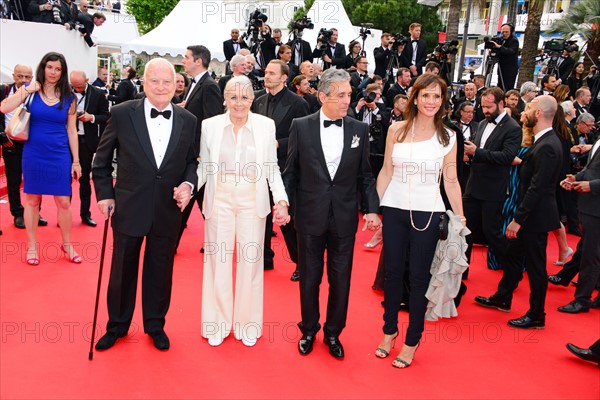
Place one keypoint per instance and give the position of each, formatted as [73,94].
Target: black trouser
[311,252]
[532,246]
[14,176]
[571,268]
[589,270]
[185,215]
[157,279]
[485,220]
[398,235]
[85,189]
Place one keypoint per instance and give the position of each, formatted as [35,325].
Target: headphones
[511,26]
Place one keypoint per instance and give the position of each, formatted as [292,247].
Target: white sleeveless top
[422,172]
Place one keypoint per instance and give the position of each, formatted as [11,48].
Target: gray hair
[332,76]
[568,107]
[159,61]
[527,87]
[239,81]
[586,117]
[237,60]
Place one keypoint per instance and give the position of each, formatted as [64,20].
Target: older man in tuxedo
[157,173]
[328,163]
[92,115]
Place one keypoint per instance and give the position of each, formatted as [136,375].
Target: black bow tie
[193,80]
[327,123]
[415,41]
[155,113]
[493,122]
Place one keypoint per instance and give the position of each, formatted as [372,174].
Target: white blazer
[263,129]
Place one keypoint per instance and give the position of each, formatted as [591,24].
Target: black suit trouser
[571,268]
[14,175]
[85,189]
[532,246]
[185,215]
[485,220]
[589,270]
[289,236]
[506,80]
[311,252]
[157,279]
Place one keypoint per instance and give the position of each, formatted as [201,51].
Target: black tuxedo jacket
[87,21]
[95,103]
[479,115]
[589,203]
[228,48]
[382,59]
[289,107]
[45,16]
[355,79]
[305,52]
[407,53]
[126,90]
[312,192]
[268,49]
[392,92]
[98,83]
[579,110]
[473,127]
[204,102]
[143,192]
[565,68]
[537,210]
[508,56]
[490,166]
[338,58]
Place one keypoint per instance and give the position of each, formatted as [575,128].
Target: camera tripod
[490,62]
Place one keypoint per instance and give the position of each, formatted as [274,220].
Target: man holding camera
[232,46]
[508,54]
[328,48]
[414,56]
[383,53]
[566,63]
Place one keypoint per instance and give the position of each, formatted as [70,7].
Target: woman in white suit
[238,164]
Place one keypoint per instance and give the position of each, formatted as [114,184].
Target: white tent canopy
[116,30]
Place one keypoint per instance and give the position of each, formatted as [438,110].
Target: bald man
[536,215]
[92,115]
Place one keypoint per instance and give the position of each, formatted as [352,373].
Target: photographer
[566,63]
[328,48]
[382,53]
[414,56]
[88,23]
[232,46]
[442,55]
[508,54]
[43,11]
[302,88]
[301,50]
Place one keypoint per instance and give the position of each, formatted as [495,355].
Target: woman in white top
[238,164]
[417,151]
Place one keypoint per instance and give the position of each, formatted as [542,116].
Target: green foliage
[150,13]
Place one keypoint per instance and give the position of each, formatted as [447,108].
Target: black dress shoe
[108,340]
[525,323]
[305,345]
[202,250]
[584,354]
[596,302]
[88,221]
[557,280]
[574,307]
[160,339]
[492,302]
[295,276]
[19,222]
[42,221]
[269,265]
[273,234]
[335,346]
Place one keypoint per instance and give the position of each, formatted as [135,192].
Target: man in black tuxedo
[536,215]
[548,83]
[301,50]
[496,144]
[334,55]
[583,97]
[468,130]
[508,56]
[92,112]
[565,65]
[157,174]
[470,96]
[302,89]
[587,184]
[414,55]
[232,46]
[401,86]
[282,106]
[328,163]
[383,53]
[101,81]
[270,45]
[204,100]
[89,22]
[527,92]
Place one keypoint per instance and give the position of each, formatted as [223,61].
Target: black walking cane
[91,354]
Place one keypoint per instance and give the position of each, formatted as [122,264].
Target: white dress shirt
[594,149]
[489,129]
[193,85]
[466,130]
[539,135]
[332,141]
[237,155]
[159,129]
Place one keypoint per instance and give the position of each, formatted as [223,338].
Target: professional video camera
[447,47]
[488,41]
[560,45]
[302,23]
[255,22]
[398,39]
[365,29]
[324,37]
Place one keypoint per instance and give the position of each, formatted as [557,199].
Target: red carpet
[46,316]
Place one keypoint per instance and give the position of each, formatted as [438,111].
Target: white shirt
[539,135]
[490,128]
[193,85]
[159,129]
[466,130]
[242,160]
[80,109]
[594,149]
[414,45]
[332,141]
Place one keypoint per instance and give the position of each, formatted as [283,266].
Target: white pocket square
[355,142]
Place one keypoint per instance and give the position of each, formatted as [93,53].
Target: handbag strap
[28,101]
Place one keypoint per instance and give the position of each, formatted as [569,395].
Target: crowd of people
[278,140]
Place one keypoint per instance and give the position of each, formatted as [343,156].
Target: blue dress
[46,155]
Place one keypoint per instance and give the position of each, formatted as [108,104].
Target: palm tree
[583,19]
[530,41]
[453,19]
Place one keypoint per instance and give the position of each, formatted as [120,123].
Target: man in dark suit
[496,144]
[468,130]
[101,81]
[527,92]
[92,112]
[126,89]
[583,97]
[565,65]
[414,55]
[591,354]
[470,96]
[89,22]
[587,184]
[383,53]
[301,51]
[270,45]
[282,106]
[334,55]
[232,46]
[328,163]
[204,100]
[508,56]
[401,86]
[536,215]
[157,174]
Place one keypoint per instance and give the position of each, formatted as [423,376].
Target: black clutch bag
[443,226]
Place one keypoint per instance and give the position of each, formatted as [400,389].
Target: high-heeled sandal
[384,353]
[32,260]
[375,241]
[561,262]
[76,259]
[400,363]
